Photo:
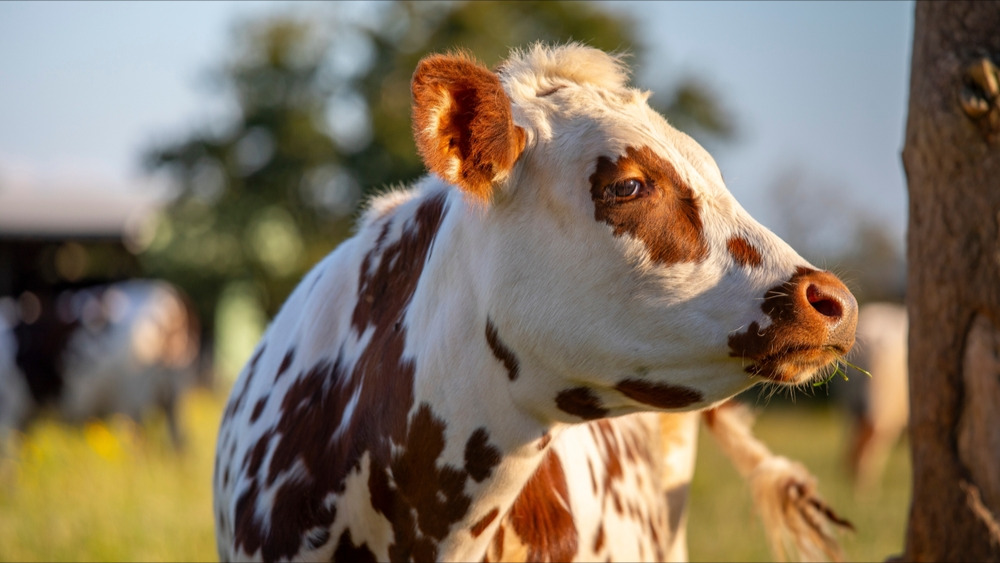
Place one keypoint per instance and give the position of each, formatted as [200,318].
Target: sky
[817,89]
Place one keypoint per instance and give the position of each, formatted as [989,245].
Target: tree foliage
[322,118]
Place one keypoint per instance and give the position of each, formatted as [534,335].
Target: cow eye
[626,189]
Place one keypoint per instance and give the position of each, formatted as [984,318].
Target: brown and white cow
[479,372]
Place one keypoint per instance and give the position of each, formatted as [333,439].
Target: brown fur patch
[420,498]
[425,498]
[622,445]
[480,456]
[258,408]
[664,214]
[604,434]
[497,543]
[501,351]
[542,515]
[384,293]
[347,551]
[593,477]
[581,402]
[462,115]
[544,441]
[709,417]
[286,362]
[480,526]
[743,252]
[659,395]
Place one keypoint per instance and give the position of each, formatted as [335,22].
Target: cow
[508,358]
[128,347]
[878,406]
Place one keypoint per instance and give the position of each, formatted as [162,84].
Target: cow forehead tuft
[538,67]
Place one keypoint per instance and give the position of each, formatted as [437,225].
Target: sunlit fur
[629,314]
[577,305]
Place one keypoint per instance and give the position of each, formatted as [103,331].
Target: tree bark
[952,162]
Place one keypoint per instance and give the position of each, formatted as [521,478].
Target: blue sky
[816,87]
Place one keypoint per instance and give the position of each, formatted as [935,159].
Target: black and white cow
[128,347]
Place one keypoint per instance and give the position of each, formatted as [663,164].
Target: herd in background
[132,348]
[129,347]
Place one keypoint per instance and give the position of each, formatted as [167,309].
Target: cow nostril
[823,303]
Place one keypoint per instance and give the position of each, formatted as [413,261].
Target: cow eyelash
[626,190]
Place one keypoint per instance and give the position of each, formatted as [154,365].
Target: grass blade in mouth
[840,366]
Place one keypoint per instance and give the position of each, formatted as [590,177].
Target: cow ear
[462,123]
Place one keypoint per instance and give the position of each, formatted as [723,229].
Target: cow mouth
[794,364]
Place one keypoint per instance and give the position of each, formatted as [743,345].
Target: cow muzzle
[813,318]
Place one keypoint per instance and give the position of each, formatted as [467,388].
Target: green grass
[108,492]
[723,526]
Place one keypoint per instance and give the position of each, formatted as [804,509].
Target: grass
[109,492]
[723,526]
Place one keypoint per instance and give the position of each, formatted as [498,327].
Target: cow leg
[796,519]
[859,449]
[170,411]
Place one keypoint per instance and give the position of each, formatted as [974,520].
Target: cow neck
[462,404]
[449,451]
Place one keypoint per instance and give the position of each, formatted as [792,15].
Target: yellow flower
[102,441]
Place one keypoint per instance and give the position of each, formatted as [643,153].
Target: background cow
[129,347]
[878,406]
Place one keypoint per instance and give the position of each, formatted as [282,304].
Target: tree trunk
[952,161]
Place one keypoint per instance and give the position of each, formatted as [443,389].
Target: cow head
[611,260]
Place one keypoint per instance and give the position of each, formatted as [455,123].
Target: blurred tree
[324,117]
[250,201]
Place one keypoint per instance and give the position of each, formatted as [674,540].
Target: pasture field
[109,492]
[722,525]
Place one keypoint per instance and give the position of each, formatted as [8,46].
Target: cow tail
[798,522]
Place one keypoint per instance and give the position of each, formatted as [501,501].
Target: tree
[249,202]
[952,166]
[324,119]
